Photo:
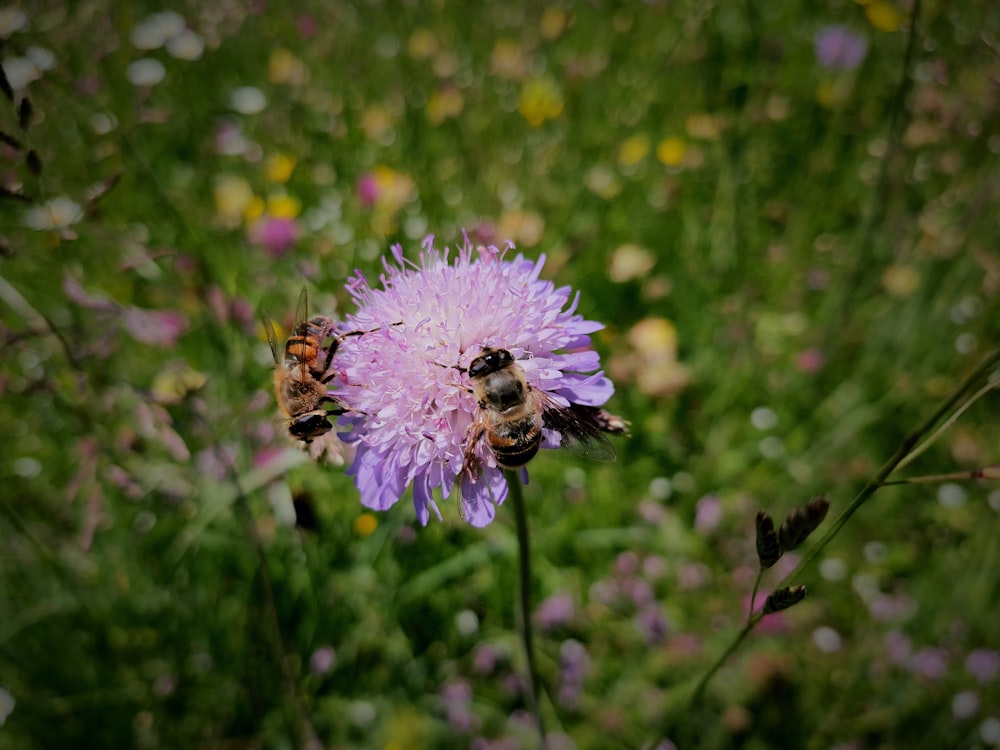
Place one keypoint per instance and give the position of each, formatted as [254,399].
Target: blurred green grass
[823,242]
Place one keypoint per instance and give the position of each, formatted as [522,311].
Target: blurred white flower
[41,58]
[186,46]
[12,20]
[7,704]
[154,31]
[57,213]
[145,72]
[20,71]
[248,100]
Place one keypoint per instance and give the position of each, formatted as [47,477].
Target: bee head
[490,361]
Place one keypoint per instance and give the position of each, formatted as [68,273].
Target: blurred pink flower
[708,514]
[275,234]
[154,327]
[809,361]
[368,192]
[322,660]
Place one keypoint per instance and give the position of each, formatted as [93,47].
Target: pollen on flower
[405,379]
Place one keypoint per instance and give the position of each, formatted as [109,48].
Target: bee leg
[330,351]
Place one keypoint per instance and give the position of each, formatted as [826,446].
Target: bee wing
[272,337]
[301,310]
[581,428]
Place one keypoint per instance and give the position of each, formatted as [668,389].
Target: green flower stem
[516,496]
[961,400]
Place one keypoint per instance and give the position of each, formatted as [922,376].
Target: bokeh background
[786,216]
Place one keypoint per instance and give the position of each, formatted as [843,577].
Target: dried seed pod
[34,162]
[801,522]
[768,548]
[5,86]
[783,599]
[10,141]
[24,112]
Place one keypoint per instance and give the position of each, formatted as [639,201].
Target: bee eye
[478,366]
[504,357]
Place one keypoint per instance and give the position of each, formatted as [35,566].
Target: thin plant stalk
[958,400]
[516,495]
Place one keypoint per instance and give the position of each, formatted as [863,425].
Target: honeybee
[512,414]
[301,377]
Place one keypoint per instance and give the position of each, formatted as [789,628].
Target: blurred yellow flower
[525,228]
[173,383]
[444,103]
[279,168]
[285,67]
[652,362]
[655,338]
[254,209]
[883,15]
[704,126]
[541,100]
[423,45]
[833,93]
[671,151]
[629,262]
[509,60]
[553,22]
[376,121]
[282,206]
[633,150]
[901,280]
[603,182]
[365,524]
[232,195]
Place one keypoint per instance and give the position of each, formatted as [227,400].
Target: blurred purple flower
[154,327]
[574,663]
[457,698]
[626,564]
[322,660]
[484,659]
[983,664]
[652,623]
[839,48]
[275,234]
[930,662]
[897,646]
[555,611]
[406,381]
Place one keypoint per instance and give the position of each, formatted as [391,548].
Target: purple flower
[930,662]
[839,48]
[574,663]
[555,611]
[983,664]
[407,383]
